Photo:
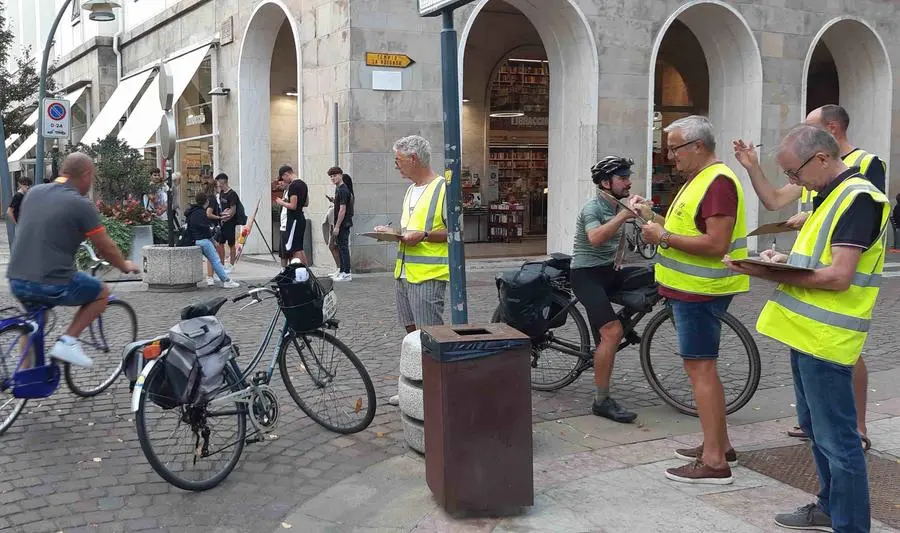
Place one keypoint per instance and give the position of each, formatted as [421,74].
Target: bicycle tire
[6,397]
[327,338]
[154,460]
[746,339]
[584,340]
[72,373]
[647,251]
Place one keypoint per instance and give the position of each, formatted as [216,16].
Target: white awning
[31,141]
[115,107]
[144,120]
[30,121]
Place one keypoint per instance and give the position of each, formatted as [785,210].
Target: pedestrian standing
[229,203]
[823,316]
[343,220]
[293,221]
[199,231]
[214,221]
[15,205]
[705,222]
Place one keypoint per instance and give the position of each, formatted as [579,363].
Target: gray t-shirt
[56,218]
[595,213]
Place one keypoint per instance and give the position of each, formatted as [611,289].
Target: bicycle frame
[35,320]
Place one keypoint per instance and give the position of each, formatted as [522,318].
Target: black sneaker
[809,517]
[610,409]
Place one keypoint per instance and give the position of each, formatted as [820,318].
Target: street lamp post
[101,11]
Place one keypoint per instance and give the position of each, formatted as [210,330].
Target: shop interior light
[519,60]
[507,111]
[101,10]
[290,91]
[465,100]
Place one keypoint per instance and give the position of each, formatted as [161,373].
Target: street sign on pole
[57,118]
[433,8]
[166,137]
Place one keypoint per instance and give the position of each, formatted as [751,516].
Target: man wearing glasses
[704,223]
[835,120]
[823,316]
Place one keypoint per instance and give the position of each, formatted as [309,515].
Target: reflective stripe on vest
[823,323]
[697,274]
[426,260]
[858,157]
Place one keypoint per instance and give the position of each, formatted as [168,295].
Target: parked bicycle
[566,350]
[196,446]
[636,243]
[25,371]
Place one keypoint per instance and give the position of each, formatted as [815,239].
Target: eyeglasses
[796,173]
[674,149]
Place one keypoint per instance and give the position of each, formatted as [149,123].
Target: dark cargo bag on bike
[525,298]
[195,364]
[306,304]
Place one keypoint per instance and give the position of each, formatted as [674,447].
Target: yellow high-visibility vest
[426,260]
[857,158]
[827,324]
[698,274]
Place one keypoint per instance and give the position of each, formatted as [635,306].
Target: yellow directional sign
[379,59]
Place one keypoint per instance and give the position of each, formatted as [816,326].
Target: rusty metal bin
[477,396]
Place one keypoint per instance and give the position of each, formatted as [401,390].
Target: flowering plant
[129,211]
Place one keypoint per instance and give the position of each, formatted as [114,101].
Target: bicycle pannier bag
[195,364]
[525,299]
[306,301]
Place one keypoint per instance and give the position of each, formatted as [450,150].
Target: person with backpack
[199,231]
[232,216]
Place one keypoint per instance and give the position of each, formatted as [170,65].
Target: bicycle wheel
[553,365]
[171,438]
[12,342]
[738,364]
[337,395]
[103,342]
[647,250]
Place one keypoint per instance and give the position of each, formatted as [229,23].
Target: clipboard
[639,217]
[772,266]
[384,236]
[775,227]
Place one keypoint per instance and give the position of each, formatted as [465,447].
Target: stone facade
[601,55]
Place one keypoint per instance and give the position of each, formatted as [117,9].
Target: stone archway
[574,73]
[254,101]
[864,77]
[735,79]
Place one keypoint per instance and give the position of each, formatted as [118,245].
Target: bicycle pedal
[252,440]
[633,338]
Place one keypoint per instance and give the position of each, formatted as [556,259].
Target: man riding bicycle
[595,277]
[56,218]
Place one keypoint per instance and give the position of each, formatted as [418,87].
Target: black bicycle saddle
[207,308]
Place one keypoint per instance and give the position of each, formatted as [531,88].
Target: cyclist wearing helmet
[594,276]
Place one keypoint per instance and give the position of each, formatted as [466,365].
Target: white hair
[417,146]
[695,128]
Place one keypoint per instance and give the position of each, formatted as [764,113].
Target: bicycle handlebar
[254,293]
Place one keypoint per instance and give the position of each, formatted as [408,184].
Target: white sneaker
[334,274]
[70,352]
[210,282]
[394,400]
[230,284]
[343,276]
[228,267]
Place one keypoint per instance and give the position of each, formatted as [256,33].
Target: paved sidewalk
[592,475]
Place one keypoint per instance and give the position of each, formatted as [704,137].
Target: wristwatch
[664,240]
[425,238]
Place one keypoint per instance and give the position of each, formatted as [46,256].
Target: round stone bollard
[172,269]
[412,406]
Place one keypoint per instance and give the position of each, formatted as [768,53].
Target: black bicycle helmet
[609,165]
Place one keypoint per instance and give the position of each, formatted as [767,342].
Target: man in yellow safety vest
[835,120]
[704,222]
[823,315]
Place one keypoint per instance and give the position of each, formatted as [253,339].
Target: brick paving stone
[49,452]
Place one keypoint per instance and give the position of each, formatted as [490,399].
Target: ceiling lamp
[290,91]
[101,10]
[507,111]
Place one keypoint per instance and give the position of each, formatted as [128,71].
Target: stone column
[410,390]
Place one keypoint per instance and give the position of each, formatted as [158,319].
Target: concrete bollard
[410,390]
[172,269]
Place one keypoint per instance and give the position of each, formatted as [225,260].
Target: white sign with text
[57,118]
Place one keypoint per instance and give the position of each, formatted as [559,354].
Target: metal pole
[450,79]
[336,135]
[170,212]
[42,92]
[6,190]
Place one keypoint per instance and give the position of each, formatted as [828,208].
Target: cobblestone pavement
[75,464]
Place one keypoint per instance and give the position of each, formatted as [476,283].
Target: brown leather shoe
[699,473]
[692,454]
[797,432]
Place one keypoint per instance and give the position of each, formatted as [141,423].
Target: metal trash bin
[477,396]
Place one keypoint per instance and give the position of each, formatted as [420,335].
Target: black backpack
[525,298]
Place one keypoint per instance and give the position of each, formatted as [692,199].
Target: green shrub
[160,231]
[121,234]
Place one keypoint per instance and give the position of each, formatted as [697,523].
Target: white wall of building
[29,20]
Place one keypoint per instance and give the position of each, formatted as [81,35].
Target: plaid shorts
[421,304]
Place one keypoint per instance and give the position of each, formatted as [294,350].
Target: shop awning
[30,121]
[144,120]
[115,107]
[31,141]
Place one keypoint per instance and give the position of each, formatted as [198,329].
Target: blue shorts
[81,290]
[699,327]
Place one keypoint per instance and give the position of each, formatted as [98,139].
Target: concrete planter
[172,269]
[143,236]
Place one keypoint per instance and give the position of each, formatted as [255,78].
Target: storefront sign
[57,118]
[430,8]
[378,59]
[520,123]
[226,34]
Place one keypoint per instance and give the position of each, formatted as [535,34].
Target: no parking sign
[57,118]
